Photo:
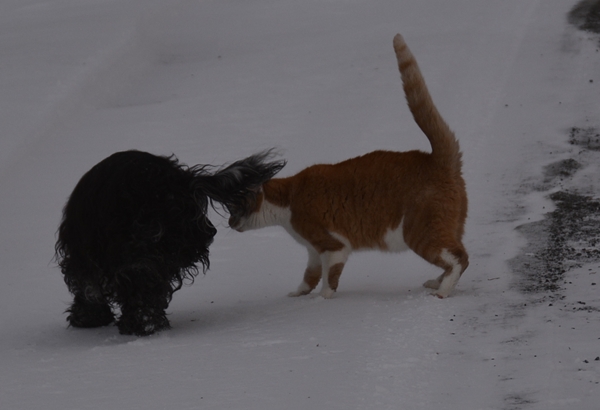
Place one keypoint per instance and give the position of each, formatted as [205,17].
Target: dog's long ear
[237,184]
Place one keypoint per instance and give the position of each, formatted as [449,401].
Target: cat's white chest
[394,239]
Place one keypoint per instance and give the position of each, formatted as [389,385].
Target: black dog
[134,229]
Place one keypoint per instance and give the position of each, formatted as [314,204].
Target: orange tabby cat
[391,201]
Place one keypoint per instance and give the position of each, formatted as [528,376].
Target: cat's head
[243,213]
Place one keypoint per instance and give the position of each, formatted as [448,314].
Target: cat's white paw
[439,295]
[327,293]
[303,289]
[432,284]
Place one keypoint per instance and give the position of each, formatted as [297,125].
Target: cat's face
[241,215]
[236,221]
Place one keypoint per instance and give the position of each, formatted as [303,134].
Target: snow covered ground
[213,81]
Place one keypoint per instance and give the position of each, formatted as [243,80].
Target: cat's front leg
[332,266]
[312,275]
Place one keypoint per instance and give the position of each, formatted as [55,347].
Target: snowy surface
[213,81]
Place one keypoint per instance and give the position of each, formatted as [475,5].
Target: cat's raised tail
[445,147]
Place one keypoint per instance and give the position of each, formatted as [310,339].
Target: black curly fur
[134,230]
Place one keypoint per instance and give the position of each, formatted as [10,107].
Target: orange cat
[391,201]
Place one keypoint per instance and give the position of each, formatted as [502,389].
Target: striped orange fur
[391,201]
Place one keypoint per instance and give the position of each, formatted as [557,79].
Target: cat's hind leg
[434,283]
[312,275]
[454,262]
[332,265]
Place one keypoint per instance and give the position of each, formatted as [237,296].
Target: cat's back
[377,169]
[372,182]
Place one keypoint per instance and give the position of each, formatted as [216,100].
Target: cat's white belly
[394,239]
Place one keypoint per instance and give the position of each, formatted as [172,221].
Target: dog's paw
[140,322]
[83,313]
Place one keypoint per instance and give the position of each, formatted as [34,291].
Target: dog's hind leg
[143,298]
[86,313]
